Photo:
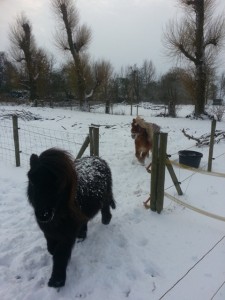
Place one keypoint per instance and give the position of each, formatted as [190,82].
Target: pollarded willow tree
[197,39]
[102,73]
[73,38]
[35,64]
[23,50]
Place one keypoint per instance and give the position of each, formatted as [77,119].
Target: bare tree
[24,50]
[73,38]
[196,38]
[221,85]
[102,74]
[148,72]
[147,77]
[9,75]
[188,77]
[44,65]
[133,86]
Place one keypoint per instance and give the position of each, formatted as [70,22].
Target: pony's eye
[45,216]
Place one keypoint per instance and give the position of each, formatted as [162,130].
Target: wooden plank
[83,147]
[174,177]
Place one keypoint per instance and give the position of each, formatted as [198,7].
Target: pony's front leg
[145,154]
[137,153]
[82,233]
[140,157]
[51,244]
[61,257]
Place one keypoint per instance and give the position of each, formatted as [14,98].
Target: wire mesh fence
[33,139]
[7,152]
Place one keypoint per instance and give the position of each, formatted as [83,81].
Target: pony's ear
[33,160]
[134,122]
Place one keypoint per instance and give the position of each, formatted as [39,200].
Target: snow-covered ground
[140,255]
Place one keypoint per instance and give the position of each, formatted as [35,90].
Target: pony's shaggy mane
[60,164]
[151,128]
[142,132]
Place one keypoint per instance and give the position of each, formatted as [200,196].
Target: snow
[140,255]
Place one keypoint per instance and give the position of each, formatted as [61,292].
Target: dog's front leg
[61,257]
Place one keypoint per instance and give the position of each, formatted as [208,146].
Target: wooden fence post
[16,139]
[154,171]
[95,136]
[91,140]
[158,168]
[211,145]
[94,140]
[161,171]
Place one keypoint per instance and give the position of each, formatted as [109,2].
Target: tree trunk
[33,91]
[107,106]
[80,84]
[172,109]
[200,91]
[30,62]
[76,57]
[200,59]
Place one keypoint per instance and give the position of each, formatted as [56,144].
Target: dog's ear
[33,160]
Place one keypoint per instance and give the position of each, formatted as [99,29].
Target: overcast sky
[125,32]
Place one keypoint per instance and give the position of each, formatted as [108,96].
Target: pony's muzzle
[133,135]
[45,216]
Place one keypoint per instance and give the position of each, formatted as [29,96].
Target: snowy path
[140,255]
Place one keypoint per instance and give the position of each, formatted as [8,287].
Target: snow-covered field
[140,255]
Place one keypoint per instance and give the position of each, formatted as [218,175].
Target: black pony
[65,195]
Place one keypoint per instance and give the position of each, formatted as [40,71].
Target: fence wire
[7,150]
[33,139]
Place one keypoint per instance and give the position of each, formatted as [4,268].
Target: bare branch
[215,33]
[83,38]
[61,41]
[204,140]
[62,7]
[178,41]
[189,56]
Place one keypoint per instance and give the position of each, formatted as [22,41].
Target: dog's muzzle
[45,216]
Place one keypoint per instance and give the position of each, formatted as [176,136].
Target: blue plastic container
[190,158]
